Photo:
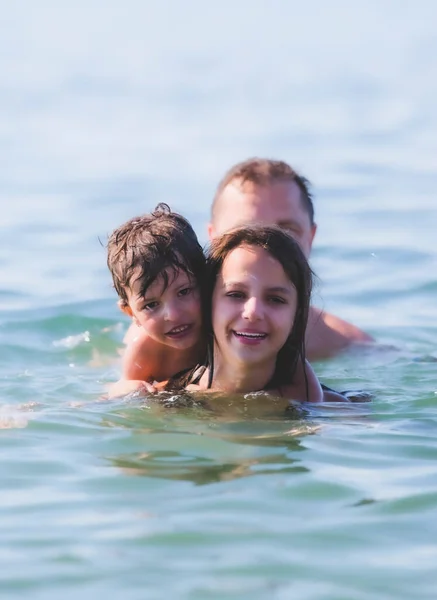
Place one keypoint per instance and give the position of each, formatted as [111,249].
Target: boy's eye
[185,291]
[150,305]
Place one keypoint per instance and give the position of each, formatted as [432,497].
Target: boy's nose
[171,312]
[252,309]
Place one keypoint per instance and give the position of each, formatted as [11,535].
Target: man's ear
[125,308]
[211,231]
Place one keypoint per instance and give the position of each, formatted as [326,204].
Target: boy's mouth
[179,331]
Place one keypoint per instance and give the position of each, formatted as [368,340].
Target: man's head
[264,191]
[149,247]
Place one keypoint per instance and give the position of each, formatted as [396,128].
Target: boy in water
[157,265]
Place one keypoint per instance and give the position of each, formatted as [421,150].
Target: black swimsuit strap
[180,380]
[198,374]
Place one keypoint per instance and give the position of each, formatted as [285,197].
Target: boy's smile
[180,331]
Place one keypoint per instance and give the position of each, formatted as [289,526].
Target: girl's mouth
[250,337]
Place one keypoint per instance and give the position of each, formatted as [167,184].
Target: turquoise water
[107,111]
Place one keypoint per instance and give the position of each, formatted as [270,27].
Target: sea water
[106,110]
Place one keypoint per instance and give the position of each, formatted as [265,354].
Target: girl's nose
[252,309]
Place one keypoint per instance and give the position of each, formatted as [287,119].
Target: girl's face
[253,308]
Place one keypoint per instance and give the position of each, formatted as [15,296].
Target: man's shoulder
[328,323]
[328,334]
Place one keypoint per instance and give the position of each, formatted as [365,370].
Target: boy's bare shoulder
[140,358]
[132,333]
[328,335]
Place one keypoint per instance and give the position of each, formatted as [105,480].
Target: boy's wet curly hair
[147,247]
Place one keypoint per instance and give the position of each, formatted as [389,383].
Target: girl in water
[256,310]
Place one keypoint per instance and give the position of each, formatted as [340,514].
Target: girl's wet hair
[151,246]
[288,253]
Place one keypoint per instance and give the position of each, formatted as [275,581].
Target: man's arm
[327,335]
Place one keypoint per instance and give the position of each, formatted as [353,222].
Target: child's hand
[128,386]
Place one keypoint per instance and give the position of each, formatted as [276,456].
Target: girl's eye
[185,292]
[277,300]
[150,305]
[235,295]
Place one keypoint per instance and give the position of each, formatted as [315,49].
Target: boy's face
[277,204]
[170,316]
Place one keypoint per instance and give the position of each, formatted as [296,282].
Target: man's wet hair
[150,246]
[264,172]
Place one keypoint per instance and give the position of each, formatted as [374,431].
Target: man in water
[271,192]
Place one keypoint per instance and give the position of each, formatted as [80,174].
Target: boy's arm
[327,335]
[138,365]
[123,387]
[138,359]
[132,334]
